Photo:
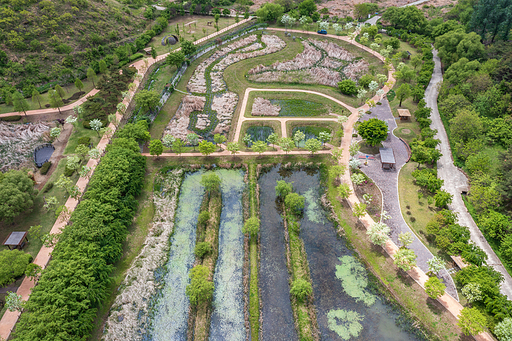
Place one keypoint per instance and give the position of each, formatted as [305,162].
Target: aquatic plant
[353,280]
[313,209]
[349,327]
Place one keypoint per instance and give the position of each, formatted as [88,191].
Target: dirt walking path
[455,181]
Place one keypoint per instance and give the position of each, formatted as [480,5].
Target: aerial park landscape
[241,171]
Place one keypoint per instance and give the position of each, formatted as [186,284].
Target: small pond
[311,132]
[347,309]
[227,321]
[170,312]
[259,133]
[300,108]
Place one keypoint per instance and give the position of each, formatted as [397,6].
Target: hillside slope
[42,41]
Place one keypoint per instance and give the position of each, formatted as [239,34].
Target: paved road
[387,180]
[455,181]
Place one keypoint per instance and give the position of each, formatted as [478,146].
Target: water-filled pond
[276,311]
[346,307]
[259,133]
[170,312]
[227,321]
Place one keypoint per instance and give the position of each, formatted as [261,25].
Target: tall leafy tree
[373,131]
[19,102]
[403,92]
[55,100]
[36,96]
[156,148]
[16,194]
[491,18]
[458,44]
[79,85]
[91,75]
[147,99]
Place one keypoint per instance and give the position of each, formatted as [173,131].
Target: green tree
[147,100]
[14,263]
[33,271]
[301,289]
[344,191]
[14,302]
[79,85]
[60,91]
[251,226]
[259,147]
[177,58]
[16,194]
[210,181]
[153,53]
[492,18]
[286,144]
[202,249]
[193,139]
[294,202]
[298,137]
[91,75]
[403,93]
[434,288]
[313,145]
[359,210]
[206,148]
[200,289]
[347,87]
[156,148]
[270,12]
[247,140]
[471,321]
[177,146]
[324,136]
[36,96]
[373,131]
[55,100]
[506,249]
[219,139]
[19,102]
[188,47]
[307,8]
[81,150]
[495,224]
[442,198]
[378,233]
[233,147]
[35,232]
[408,18]
[405,238]
[458,44]
[405,259]
[283,188]
[103,66]
[273,139]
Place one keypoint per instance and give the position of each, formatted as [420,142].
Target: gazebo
[16,240]
[387,158]
[404,114]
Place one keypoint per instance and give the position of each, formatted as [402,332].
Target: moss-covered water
[347,309]
[170,312]
[227,321]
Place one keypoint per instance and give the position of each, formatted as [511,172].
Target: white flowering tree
[378,233]
[361,94]
[348,26]
[374,46]
[96,125]
[354,163]
[13,302]
[503,330]
[373,86]
[472,292]
[342,119]
[337,28]
[405,259]
[303,22]
[323,25]
[72,162]
[405,238]
[94,153]
[168,140]
[379,93]
[84,172]
[435,265]
[287,20]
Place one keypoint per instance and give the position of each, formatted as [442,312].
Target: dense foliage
[14,263]
[16,194]
[64,303]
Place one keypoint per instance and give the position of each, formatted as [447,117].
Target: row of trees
[75,283]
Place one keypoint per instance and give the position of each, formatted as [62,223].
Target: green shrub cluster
[64,304]
[45,168]
[14,263]
[10,118]
[85,140]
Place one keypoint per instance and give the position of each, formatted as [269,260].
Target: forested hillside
[44,41]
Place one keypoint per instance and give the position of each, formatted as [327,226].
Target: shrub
[85,140]
[434,287]
[200,288]
[45,168]
[202,249]
[283,188]
[135,56]
[347,87]
[14,263]
[427,178]
[301,289]
[48,187]
[295,202]
[68,172]
[251,226]
[11,118]
[203,218]
[503,330]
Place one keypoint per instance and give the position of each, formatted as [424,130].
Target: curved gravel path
[455,181]
[387,180]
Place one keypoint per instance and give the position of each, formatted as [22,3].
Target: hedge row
[64,304]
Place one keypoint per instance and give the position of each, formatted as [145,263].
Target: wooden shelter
[404,114]
[147,50]
[387,158]
[459,261]
[16,240]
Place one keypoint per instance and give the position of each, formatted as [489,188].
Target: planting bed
[216,103]
[320,62]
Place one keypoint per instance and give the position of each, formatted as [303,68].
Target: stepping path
[387,181]
[455,181]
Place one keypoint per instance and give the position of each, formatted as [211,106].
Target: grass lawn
[79,132]
[70,89]
[196,30]
[298,104]
[131,247]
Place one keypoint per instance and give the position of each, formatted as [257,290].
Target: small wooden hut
[404,114]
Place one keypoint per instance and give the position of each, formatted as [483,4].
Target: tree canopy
[16,194]
[373,131]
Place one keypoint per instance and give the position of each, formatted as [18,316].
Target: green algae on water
[353,279]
